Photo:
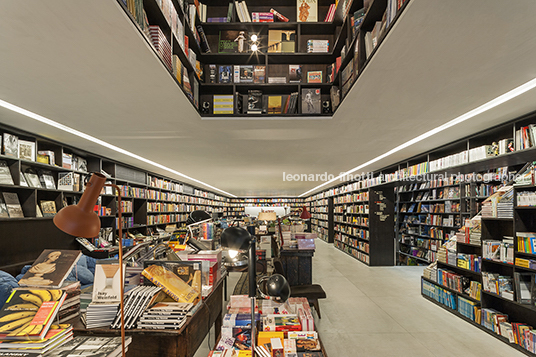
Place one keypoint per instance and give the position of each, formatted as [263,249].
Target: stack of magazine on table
[90,346]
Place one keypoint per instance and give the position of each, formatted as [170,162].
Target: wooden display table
[298,265]
[170,343]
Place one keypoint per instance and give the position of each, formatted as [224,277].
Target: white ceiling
[83,64]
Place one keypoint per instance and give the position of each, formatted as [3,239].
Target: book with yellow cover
[274,104]
[170,283]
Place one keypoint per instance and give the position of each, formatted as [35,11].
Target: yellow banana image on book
[17,315]
[20,329]
[43,294]
[34,299]
[15,324]
[56,294]
[19,307]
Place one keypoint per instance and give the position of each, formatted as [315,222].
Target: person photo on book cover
[48,266]
[308,101]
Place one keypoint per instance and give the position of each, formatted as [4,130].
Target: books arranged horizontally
[90,346]
[165,315]
[106,294]
[71,306]
[29,313]
[317,46]
[56,336]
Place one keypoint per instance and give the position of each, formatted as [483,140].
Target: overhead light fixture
[470,114]
[95,140]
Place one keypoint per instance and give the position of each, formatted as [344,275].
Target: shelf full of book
[206,46]
[363,224]
[39,176]
[321,210]
[496,255]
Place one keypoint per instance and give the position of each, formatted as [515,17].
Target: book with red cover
[28,313]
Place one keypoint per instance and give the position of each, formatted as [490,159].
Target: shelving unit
[178,18]
[153,200]
[322,217]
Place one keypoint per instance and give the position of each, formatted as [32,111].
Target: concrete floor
[379,312]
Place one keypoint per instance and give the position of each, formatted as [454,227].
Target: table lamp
[81,221]
[277,286]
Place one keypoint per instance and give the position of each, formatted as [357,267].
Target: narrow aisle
[379,312]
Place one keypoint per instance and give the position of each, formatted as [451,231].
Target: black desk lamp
[277,286]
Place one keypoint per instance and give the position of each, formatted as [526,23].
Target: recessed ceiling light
[93,139]
[470,114]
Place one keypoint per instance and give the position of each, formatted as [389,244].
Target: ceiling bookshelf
[202,45]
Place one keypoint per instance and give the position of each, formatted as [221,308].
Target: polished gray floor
[379,312]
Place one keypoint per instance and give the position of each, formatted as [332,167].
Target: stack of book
[161,44]
[505,206]
[317,46]
[136,301]
[71,306]
[165,315]
[56,336]
[262,17]
[106,294]
[91,346]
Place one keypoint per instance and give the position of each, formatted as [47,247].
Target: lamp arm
[121,273]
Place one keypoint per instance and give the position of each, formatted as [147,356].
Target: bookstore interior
[173,171]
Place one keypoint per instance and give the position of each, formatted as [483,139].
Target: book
[91,346]
[46,179]
[48,208]
[254,102]
[231,41]
[259,74]
[29,313]
[246,73]
[281,41]
[51,268]
[279,16]
[13,205]
[170,283]
[26,150]
[245,12]
[204,42]
[10,145]
[311,101]
[223,104]
[5,174]
[335,97]
[314,77]
[230,11]
[212,74]
[66,181]
[107,284]
[294,73]
[56,335]
[274,104]
[3,209]
[225,74]
[307,10]
[32,178]
[236,73]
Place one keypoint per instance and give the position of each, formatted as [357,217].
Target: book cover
[170,283]
[13,205]
[42,159]
[46,179]
[274,104]
[225,74]
[223,104]
[55,334]
[107,284]
[3,209]
[281,41]
[26,150]
[212,73]
[307,10]
[51,268]
[5,174]
[254,102]
[11,145]
[28,314]
[294,73]
[32,178]
[48,208]
[246,73]
[311,101]
[204,42]
[314,77]
[259,74]
[65,181]
[91,346]
[231,41]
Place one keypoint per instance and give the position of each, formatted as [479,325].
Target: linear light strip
[470,114]
[55,124]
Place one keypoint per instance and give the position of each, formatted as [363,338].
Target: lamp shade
[277,288]
[305,214]
[80,220]
[198,216]
[235,238]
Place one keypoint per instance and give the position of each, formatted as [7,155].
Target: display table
[170,343]
[298,265]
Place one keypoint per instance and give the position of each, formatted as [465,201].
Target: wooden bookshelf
[143,191]
[342,36]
